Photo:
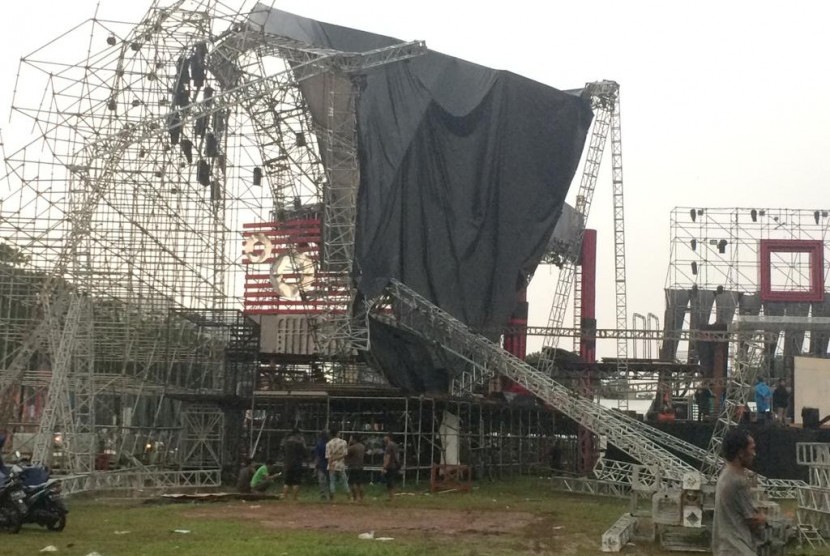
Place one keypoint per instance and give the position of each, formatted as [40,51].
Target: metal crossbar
[141,480]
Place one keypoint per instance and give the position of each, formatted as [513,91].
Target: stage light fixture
[203,173]
[187,149]
[211,146]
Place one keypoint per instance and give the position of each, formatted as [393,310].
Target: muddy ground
[380,517]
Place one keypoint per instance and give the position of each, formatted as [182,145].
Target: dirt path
[383,519]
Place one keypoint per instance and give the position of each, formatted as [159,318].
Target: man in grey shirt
[735,515]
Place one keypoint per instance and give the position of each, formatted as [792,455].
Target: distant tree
[12,255]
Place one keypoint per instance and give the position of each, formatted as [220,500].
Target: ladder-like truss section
[621,307]
[813,512]
[605,101]
[739,391]
[603,95]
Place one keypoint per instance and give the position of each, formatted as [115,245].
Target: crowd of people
[335,462]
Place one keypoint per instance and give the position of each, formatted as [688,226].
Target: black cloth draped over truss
[463,173]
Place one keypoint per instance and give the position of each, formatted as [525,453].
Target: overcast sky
[724,104]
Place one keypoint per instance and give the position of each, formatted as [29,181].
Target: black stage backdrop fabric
[463,173]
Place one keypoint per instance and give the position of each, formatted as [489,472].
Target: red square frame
[815,248]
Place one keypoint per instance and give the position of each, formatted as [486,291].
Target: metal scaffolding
[495,439]
[813,512]
[712,247]
[123,343]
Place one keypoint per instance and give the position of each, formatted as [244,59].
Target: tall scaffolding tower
[725,246]
[746,261]
[123,339]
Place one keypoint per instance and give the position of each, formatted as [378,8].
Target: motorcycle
[11,501]
[43,503]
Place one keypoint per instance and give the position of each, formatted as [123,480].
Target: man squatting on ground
[295,457]
[737,524]
[264,477]
[336,451]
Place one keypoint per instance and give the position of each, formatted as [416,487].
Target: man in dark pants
[354,467]
[321,465]
[295,455]
[780,401]
[736,519]
[391,464]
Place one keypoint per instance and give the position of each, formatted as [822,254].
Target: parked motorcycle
[11,500]
[43,502]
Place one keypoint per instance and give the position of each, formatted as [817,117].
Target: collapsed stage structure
[231,223]
[225,194]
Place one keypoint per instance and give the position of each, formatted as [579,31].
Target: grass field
[516,517]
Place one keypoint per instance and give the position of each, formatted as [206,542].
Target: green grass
[568,524]
[150,531]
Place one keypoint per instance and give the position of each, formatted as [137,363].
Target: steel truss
[605,101]
[141,481]
[122,340]
[485,359]
[739,391]
[594,487]
[813,512]
[646,444]
[603,98]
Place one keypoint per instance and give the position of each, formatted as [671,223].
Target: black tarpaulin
[463,173]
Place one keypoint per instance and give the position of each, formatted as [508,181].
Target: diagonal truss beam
[485,359]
